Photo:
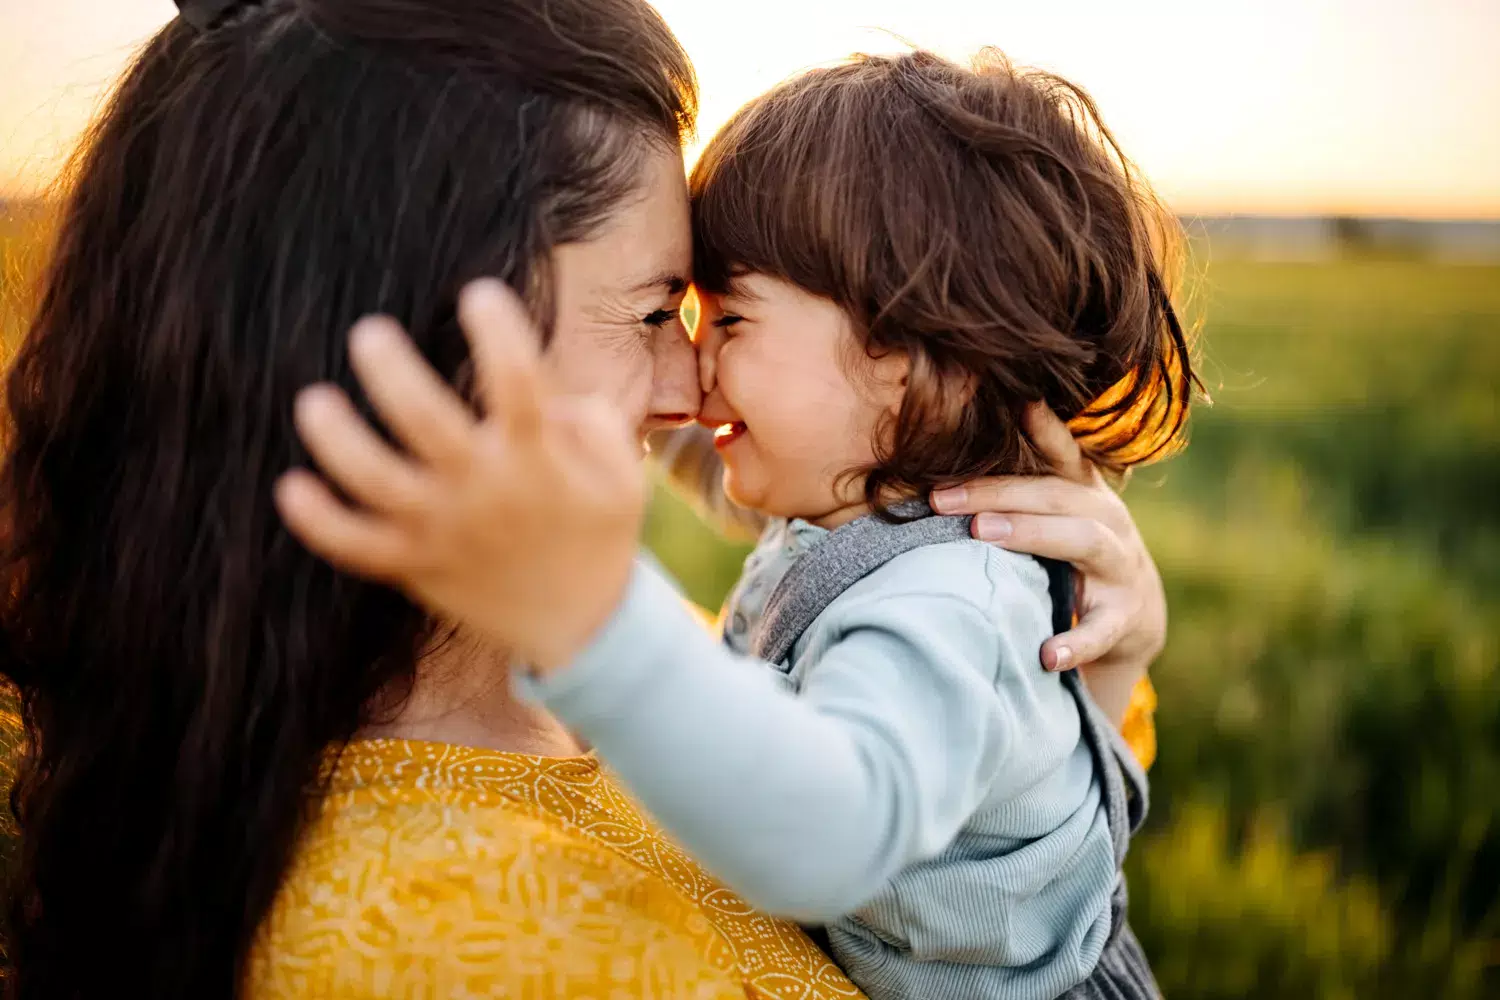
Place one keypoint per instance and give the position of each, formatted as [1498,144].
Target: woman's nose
[675,394]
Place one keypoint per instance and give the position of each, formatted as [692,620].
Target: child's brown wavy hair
[984,222]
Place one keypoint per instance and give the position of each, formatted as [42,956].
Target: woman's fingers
[1056,443]
[1095,635]
[1088,544]
[421,410]
[350,453]
[354,542]
[1050,495]
[506,351]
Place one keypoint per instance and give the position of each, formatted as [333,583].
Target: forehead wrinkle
[673,282]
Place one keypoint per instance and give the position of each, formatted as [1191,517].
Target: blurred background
[1326,812]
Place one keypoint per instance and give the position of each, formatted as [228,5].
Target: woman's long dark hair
[248,193]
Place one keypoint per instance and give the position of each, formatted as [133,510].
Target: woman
[195,817]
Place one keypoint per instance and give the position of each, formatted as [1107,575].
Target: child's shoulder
[968,570]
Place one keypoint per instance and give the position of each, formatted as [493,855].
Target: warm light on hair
[981,221]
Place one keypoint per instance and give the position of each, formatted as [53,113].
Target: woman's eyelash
[661,317]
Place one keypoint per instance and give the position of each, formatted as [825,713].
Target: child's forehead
[743,283]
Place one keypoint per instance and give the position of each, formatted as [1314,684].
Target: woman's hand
[1075,516]
[521,525]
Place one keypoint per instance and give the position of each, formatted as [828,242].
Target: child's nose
[707,346]
[716,411]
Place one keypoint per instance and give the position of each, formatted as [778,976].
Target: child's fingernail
[369,331]
[992,527]
[1061,658]
[950,499]
[314,401]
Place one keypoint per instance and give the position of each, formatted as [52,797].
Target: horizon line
[1484,216]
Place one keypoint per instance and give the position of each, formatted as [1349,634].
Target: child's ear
[891,373]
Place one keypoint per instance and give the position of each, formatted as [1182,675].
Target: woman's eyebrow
[673,282]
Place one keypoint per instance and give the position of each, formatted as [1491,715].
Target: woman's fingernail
[1061,658]
[992,527]
[951,499]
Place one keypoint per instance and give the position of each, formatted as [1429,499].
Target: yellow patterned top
[1139,727]
[438,871]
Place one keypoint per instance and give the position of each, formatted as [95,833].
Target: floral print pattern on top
[442,871]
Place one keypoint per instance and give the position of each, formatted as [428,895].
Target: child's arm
[806,805]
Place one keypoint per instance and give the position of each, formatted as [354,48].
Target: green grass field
[1326,804]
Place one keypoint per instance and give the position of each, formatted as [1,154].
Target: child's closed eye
[726,321]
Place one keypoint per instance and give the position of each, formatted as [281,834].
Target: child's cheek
[749,380]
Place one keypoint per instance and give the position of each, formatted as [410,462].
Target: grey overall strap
[848,554]
[862,546]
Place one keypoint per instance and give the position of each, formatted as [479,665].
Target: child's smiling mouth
[727,434]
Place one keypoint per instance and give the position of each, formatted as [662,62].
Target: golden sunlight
[1379,107]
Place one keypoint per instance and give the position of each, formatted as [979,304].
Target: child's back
[1017,902]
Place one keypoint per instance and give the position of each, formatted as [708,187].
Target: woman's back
[446,871]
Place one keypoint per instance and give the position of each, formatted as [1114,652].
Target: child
[896,257]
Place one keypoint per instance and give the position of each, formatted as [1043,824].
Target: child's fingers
[1089,545]
[1096,634]
[352,455]
[506,351]
[421,410]
[1056,443]
[354,542]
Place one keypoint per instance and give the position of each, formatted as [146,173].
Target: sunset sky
[1387,107]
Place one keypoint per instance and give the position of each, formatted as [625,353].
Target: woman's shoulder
[418,905]
[435,870]
[451,871]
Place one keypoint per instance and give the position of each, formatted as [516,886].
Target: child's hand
[521,525]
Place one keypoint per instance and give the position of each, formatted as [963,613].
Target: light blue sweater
[911,777]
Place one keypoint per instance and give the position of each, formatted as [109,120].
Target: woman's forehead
[646,247]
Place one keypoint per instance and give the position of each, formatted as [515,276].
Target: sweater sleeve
[806,805]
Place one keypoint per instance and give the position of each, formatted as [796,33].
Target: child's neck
[840,517]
